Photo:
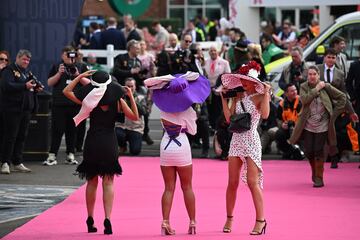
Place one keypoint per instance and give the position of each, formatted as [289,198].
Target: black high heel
[253,232]
[90,225]
[107,225]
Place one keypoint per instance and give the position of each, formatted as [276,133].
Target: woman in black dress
[101,101]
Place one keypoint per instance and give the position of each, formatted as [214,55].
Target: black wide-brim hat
[113,92]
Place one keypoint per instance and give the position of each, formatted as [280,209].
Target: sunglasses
[188,41]
[4,59]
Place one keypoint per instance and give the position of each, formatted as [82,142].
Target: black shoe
[318,182]
[107,225]
[90,225]
[334,161]
[147,139]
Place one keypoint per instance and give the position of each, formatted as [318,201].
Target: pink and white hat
[247,72]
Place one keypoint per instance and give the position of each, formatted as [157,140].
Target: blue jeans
[134,138]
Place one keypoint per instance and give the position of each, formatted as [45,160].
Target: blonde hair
[255,50]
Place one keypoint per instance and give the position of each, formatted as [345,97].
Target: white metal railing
[109,53]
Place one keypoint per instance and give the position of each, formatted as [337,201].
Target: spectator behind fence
[92,63]
[113,36]
[4,61]
[322,104]
[161,37]
[63,110]
[296,72]
[214,67]
[132,34]
[18,100]
[131,131]
[271,52]
[129,65]
[286,36]
[148,69]
[287,116]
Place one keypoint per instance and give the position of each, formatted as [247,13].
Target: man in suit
[353,86]
[338,43]
[113,36]
[330,73]
[95,36]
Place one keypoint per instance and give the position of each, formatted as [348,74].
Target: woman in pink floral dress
[245,147]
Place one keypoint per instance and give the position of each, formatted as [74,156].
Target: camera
[233,92]
[72,55]
[33,79]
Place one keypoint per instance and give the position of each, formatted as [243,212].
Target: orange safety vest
[288,113]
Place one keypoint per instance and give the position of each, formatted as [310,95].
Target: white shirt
[331,73]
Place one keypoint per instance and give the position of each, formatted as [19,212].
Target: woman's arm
[227,111]
[131,113]
[265,102]
[68,90]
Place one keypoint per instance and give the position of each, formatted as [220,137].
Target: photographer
[181,60]
[18,100]
[129,130]
[287,115]
[296,72]
[63,110]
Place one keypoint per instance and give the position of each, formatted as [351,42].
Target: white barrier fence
[109,53]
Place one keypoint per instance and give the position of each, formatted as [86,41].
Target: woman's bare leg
[108,194]
[234,166]
[169,176]
[185,175]
[90,195]
[256,192]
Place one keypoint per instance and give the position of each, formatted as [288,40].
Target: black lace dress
[101,148]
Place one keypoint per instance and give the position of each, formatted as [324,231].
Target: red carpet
[294,209]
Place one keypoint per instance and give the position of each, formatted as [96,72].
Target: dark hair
[68,48]
[330,51]
[94,25]
[314,67]
[266,37]
[6,53]
[336,40]
[288,85]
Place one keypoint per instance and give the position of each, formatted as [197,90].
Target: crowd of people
[318,103]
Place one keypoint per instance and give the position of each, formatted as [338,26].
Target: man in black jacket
[353,87]
[18,100]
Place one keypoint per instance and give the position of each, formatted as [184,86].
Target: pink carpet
[294,209]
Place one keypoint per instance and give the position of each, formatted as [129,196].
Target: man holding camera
[287,115]
[18,100]
[296,72]
[63,110]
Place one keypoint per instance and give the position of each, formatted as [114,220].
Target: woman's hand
[128,91]
[87,73]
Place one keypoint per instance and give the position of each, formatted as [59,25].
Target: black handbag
[240,122]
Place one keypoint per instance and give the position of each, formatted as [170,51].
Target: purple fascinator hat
[177,93]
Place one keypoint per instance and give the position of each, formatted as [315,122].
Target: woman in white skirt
[177,118]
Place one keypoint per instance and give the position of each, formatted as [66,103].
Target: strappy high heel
[192,227]
[107,225]
[166,229]
[228,224]
[253,232]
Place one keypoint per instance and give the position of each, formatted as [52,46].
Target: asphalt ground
[26,195]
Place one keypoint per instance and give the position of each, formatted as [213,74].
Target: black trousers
[215,109]
[62,122]
[15,129]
